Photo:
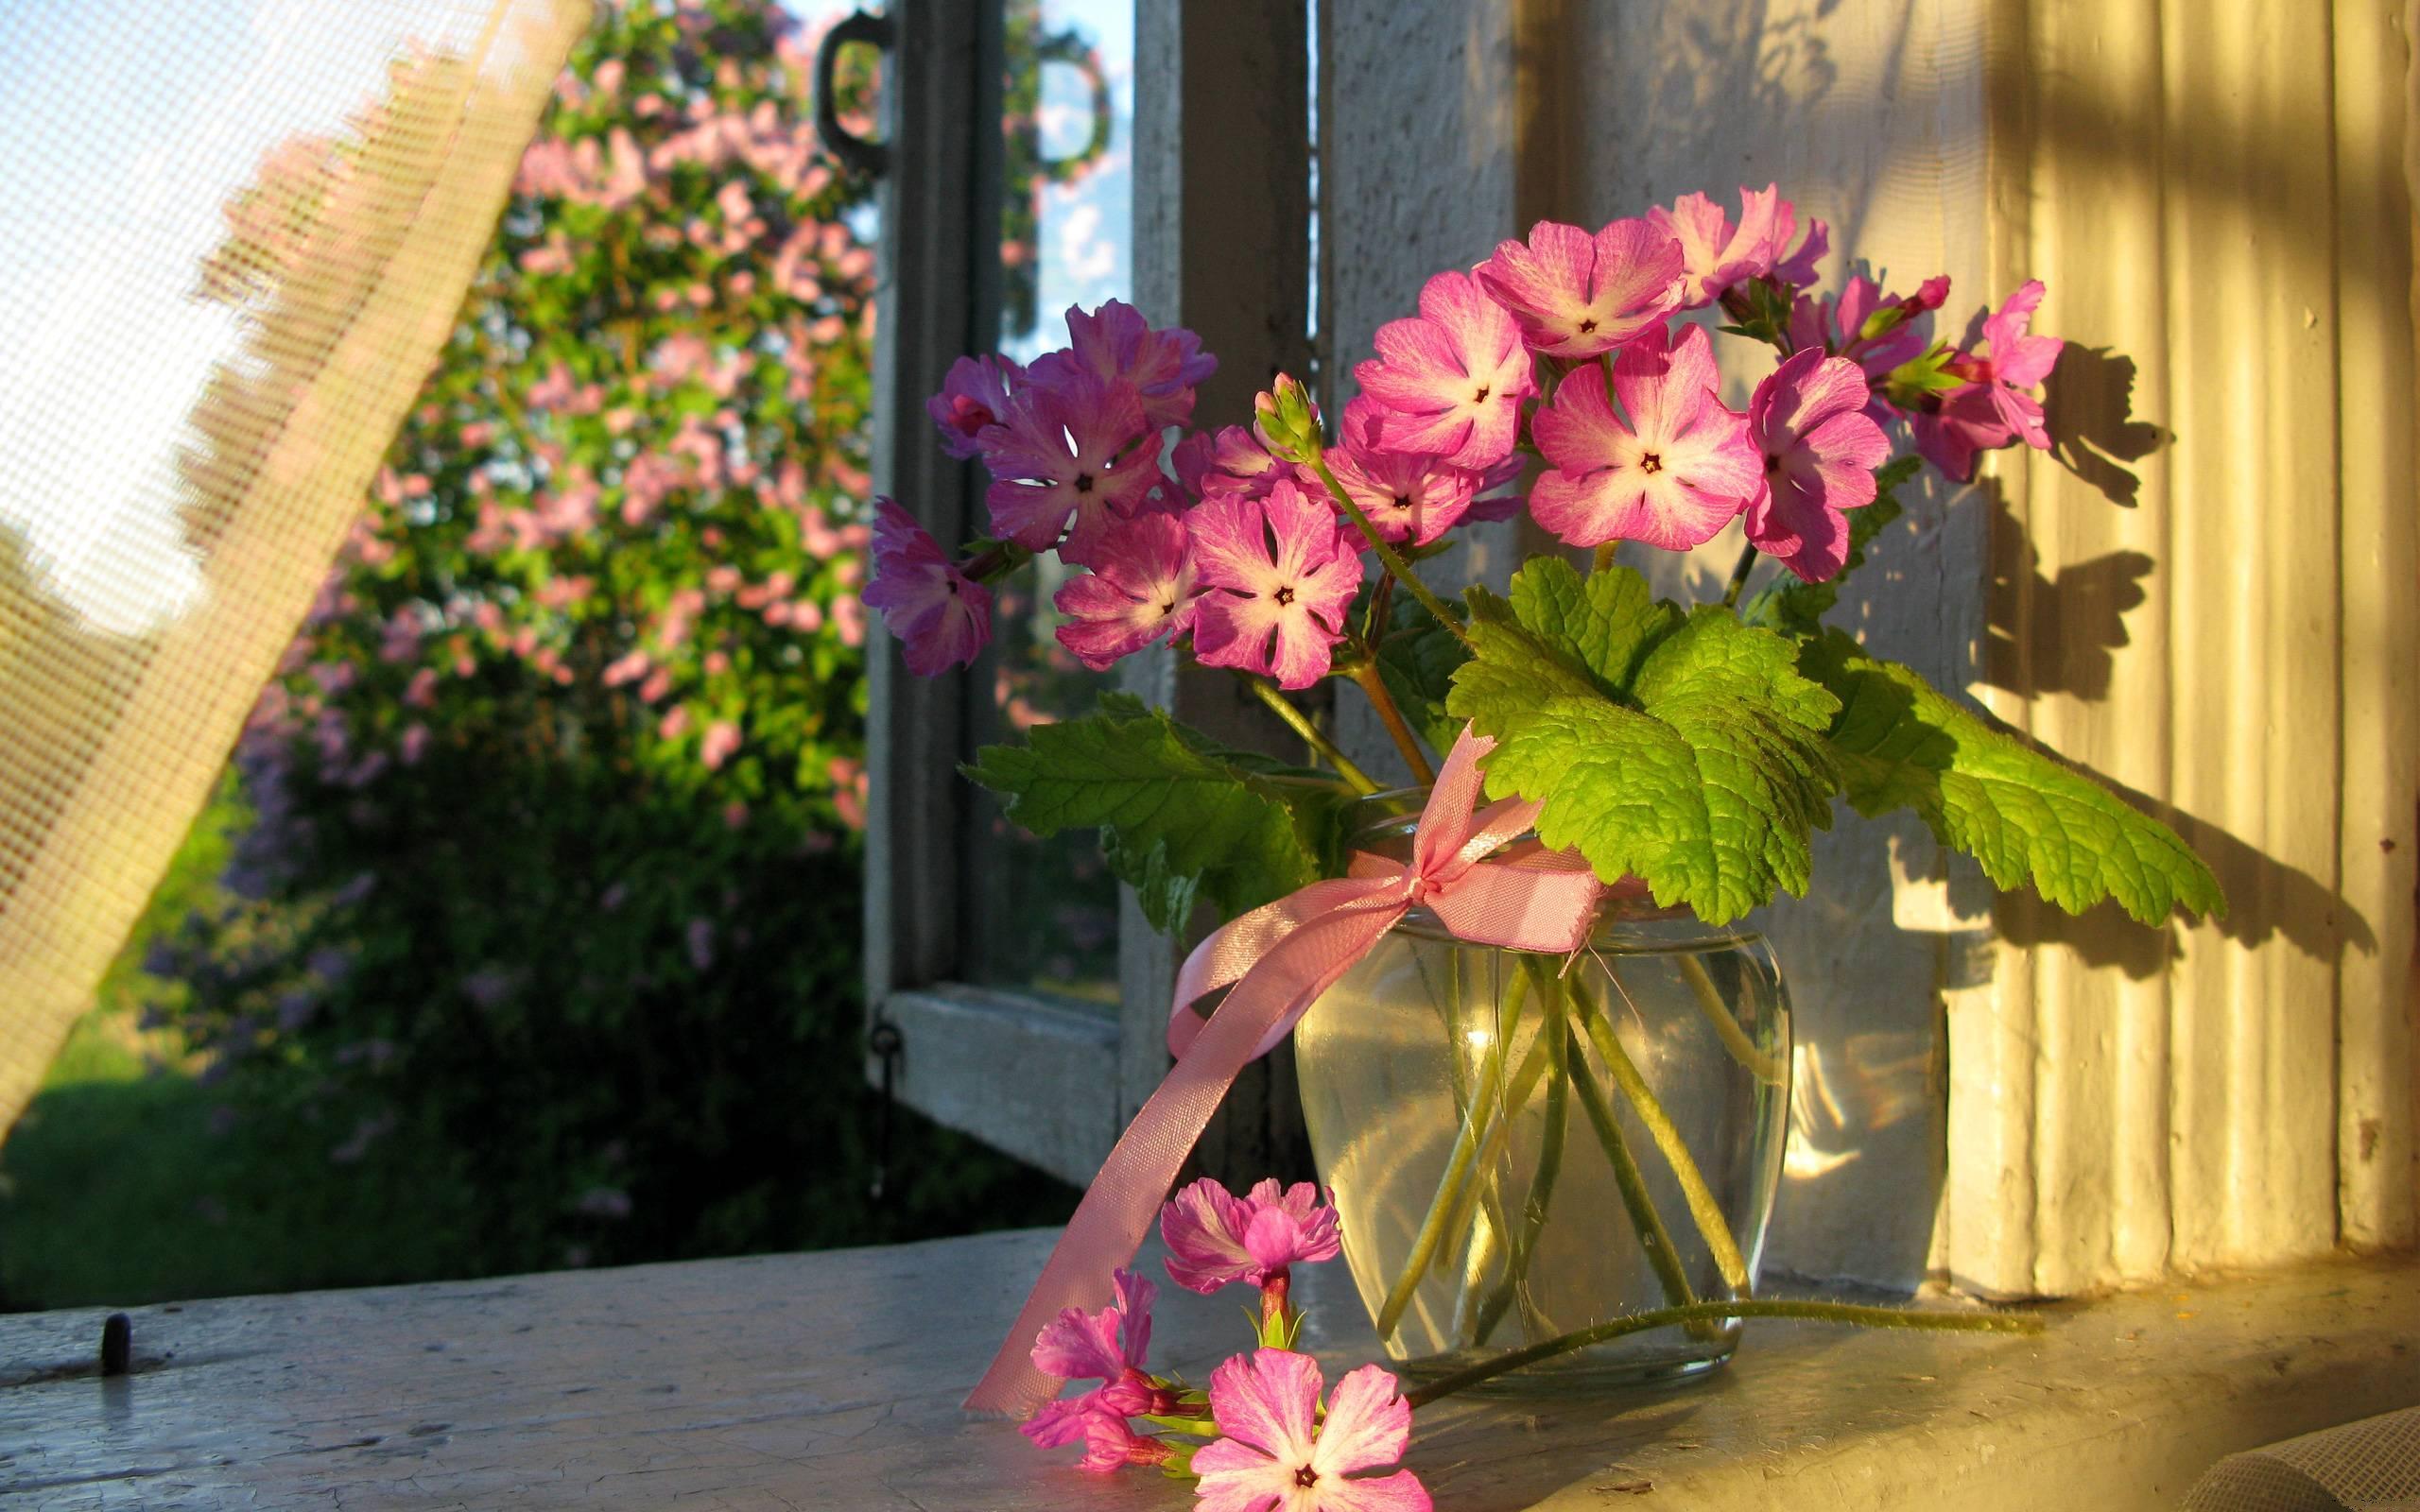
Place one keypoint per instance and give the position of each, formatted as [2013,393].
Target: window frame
[1221,140]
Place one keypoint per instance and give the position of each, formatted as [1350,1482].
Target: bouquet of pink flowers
[1682,752]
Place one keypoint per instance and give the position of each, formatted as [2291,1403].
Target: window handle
[854,152]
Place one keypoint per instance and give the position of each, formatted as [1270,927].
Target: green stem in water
[1739,578]
[1652,1236]
[1666,1135]
[1702,1313]
[1457,1167]
[1534,1207]
[1763,1067]
[1301,723]
[1396,567]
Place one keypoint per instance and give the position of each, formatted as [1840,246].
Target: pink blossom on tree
[1671,474]
[1574,294]
[1277,579]
[1452,379]
[1820,451]
[941,617]
[1141,589]
[1278,1451]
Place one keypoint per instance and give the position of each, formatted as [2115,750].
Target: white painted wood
[831,1382]
[1022,1073]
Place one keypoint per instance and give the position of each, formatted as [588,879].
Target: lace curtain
[234,236]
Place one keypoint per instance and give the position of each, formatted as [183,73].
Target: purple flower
[1075,450]
[1278,579]
[1451,381]
[1121,352]
[1141,589]
[1838,328]
[1575,295]
[1216,1238]
[941,617]
[975,395]
[1671,475]
[1107,1347]
[1279,1452]
[1819,452]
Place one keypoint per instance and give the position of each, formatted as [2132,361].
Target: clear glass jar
[1522,1146]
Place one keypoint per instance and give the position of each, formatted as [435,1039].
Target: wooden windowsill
[831,1380]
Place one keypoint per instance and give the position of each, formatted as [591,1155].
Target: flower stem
[1881,1318]
[1371,683]
[1396,567]
[1712,1227]
[1604,557]
[1457,1166]
[1301,723]
[1534,1207]
[1743,1050]
[1739,578]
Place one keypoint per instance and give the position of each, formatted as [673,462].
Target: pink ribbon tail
[1278,959]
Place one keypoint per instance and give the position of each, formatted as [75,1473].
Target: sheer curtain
[234,235]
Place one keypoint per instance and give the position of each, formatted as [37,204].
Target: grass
[129,1180]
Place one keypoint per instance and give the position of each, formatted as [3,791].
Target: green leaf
[1181,818]
[1796,608]
[1901,744]
[1684,749]
[1417,656]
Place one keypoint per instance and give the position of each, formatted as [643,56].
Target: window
[1026,1001]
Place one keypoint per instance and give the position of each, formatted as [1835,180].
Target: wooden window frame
[1221,245]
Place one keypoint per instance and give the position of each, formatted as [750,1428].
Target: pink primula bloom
[1107,1347]
[1233,461]
[1838,327]
[1216,1238]
[1408,495]
[1952,429]
[975,395]
[941,617]
[1820,451]
[1073,450]
[1141,589]
[1276,609]
[1575,295]
[1714,252]
[1119,349]
[1110,1444]
[1671,475]
[1798,268]
[1451,380]
[2017,362]
[1278,1454]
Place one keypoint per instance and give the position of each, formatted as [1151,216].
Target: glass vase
[1522,1147]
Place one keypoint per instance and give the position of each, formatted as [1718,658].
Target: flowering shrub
[557,864]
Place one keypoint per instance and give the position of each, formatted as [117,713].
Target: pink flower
[1216,1238]
[1107,1347]
[1575,295]
[1279,1453]
[941,617]
[1119,348]
[975,394]
[1839,329]
[1141,588]
[1820,451]
[1071,450]
[1277,609]
[1451,380]
[721,739]
[1718,254]
[1993,409]
[1671,476]
[2017,362]
[1408,495]
[1234,461]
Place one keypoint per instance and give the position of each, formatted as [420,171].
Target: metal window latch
[854,152]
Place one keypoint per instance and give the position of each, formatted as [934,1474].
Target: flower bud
[1289,422]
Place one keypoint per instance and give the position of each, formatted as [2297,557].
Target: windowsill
[832,1380]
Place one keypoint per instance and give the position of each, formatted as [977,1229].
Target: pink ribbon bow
[1279,958]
